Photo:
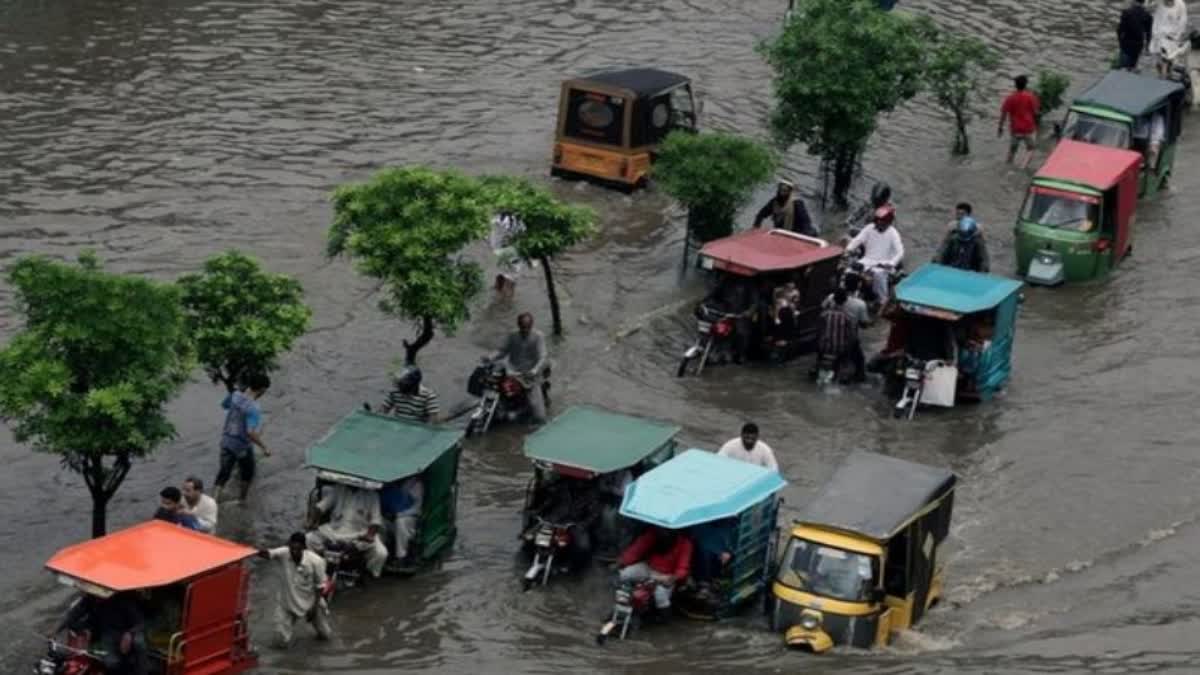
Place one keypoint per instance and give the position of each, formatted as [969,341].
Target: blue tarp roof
[955,290]
[698,487]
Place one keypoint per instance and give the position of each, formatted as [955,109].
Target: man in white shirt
[748,448]
[882,249]
[302,589]
[355,519]
[202,507]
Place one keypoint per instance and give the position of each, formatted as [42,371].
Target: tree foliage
[713,175]
[1050,88]
[406,227]
[242,318]
[839,64]
[954,73]
[88,376]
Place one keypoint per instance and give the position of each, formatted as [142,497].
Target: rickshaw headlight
[810,620]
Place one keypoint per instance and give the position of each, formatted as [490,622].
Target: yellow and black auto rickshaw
[862,560]
[610,124]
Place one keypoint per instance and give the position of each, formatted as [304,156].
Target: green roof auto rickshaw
[862,561]
[1124,110]
[379,453]
[583,460]
[1077,220]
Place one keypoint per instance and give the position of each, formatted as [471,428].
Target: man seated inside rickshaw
[712,562]
[660,555]
[401,505]
[975,337]
[117,629]
[1148,136]
[355,520]
[783,320]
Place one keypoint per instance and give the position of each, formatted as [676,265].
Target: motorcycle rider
[117,625]
[355,520]
[526,354]
[409,399]
[881,195]
[964,247]
[661,555]
[882,249]
[787,211]
[1168,33]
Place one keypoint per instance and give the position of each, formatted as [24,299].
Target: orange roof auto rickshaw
[610,124]
[190,587]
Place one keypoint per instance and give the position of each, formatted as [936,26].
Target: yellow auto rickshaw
[862,560]
[610,124]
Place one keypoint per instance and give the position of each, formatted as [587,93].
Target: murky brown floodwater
[161,133]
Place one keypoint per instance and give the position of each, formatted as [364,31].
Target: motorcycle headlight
[810,620]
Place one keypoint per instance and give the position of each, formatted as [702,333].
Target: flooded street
[160,133]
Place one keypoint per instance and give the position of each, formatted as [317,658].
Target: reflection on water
[162,133]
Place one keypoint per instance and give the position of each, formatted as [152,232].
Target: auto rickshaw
[191,589]
[1077,220]
[862,560]
[951,337]
[728,509]
[380,453]
[583,460]
[1125,110]
[610,123]
[741,313]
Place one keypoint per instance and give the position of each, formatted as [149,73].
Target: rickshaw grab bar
[801,237]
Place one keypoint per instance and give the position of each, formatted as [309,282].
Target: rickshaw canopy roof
[875,495]
[955,290]
[149,555]
[1096,166]
[641,81]
[598,440]
[759,250]
[381,447]
[1134,95]
[698,487]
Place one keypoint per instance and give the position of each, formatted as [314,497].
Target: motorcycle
[633,601]
[915,372]
[550,540]
[71,657]
[501,395]
[713,329]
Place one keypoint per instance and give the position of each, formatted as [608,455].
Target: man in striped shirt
[839,335]
[411,399]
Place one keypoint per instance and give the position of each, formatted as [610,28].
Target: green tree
[957,67]
[407,227]
[1050,87]
[240,317]
[713,175]
[88,376]
[551,227]
[839,64]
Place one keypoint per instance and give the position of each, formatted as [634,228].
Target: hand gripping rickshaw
[190,589]
[862,559]
[582,462]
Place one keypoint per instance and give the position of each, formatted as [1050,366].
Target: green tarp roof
[598,440]
[380,448]
[1126,92]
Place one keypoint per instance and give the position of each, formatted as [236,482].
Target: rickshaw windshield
[1061,210]
[828,571]
[1096,130]
[596,117]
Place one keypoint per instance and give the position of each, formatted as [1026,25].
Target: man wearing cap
[410,399]
[787,212]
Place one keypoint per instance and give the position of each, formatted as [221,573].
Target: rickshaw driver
[659,555]
[787,211]
[882,249]
[355,519]
[117,625]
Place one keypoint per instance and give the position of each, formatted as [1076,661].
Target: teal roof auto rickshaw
[862,560]
[951,337]
[377,452]
[583,461]
[1077,220]
[1124,110]
[728,509]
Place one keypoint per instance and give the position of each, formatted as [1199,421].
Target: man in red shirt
[662,555]
[1020,107]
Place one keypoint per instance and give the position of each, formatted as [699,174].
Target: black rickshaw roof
[875,495]
[1131,94]
[641,81]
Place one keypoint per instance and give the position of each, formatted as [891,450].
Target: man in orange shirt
[1021,108]
[661,555]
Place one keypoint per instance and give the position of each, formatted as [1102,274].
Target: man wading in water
[787,212]
[241,433]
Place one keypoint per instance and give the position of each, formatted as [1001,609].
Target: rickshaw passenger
[355,520]
[117,625]
[713,549]
[661,555]
[401,506]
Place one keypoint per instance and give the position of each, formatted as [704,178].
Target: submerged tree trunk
[555,311]
[962,145]
[423,338]
[102,483]
[843,175]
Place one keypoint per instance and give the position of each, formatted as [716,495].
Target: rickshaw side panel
[995,366]
[214,638]
[437,528]
[752,538]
